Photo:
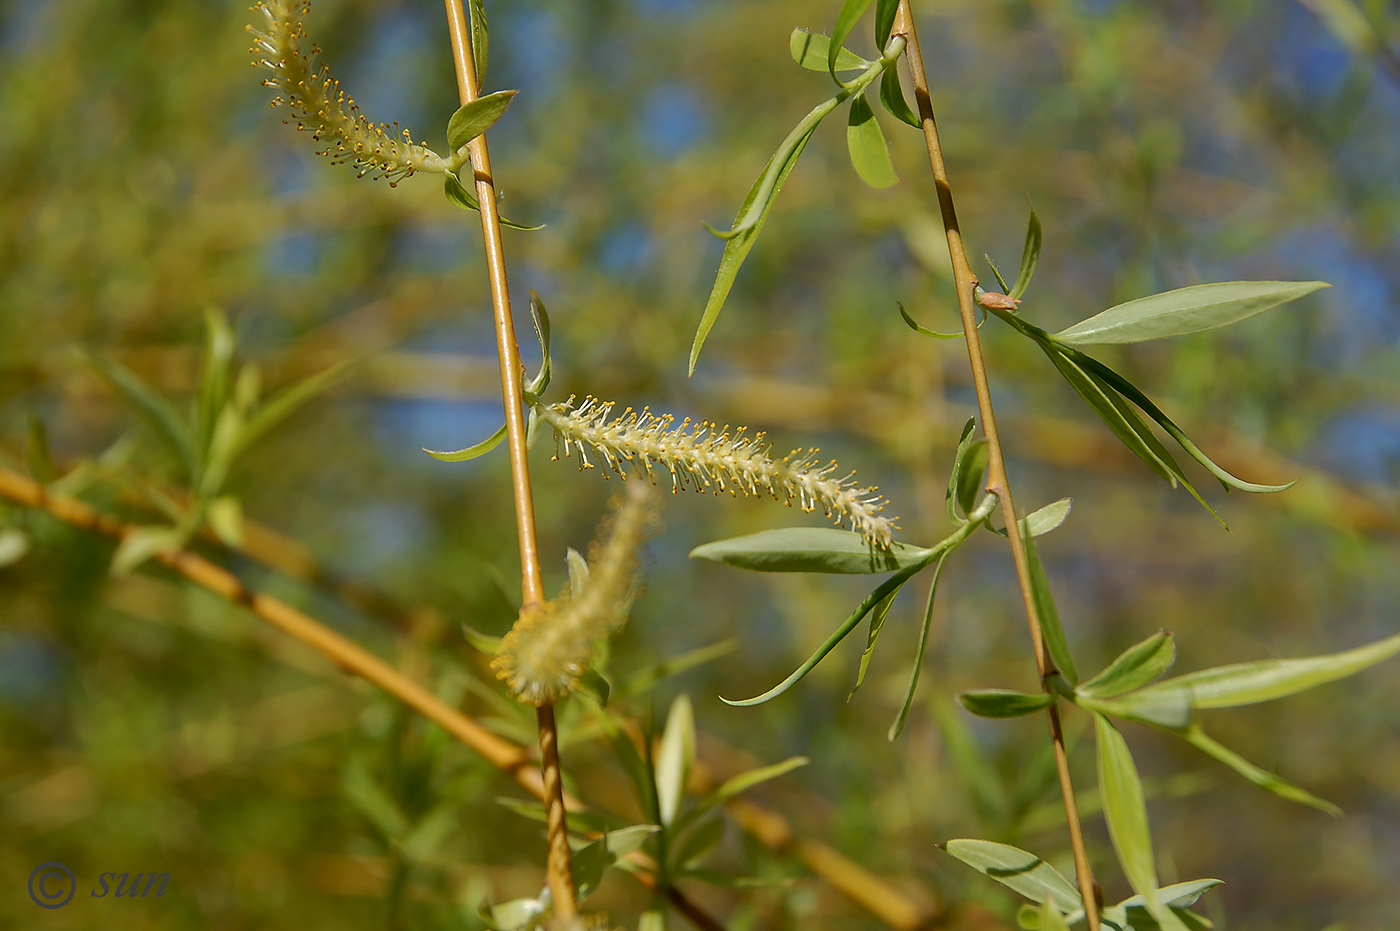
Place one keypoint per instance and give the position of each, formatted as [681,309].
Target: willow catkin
[320,105]
[550,645]
[706,457]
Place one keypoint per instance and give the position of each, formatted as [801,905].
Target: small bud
[996,300]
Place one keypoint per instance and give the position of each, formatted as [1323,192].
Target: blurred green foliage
[148,725]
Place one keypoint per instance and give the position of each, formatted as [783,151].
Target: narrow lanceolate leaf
[1265,680]
[877,624]
[851,12]
[1185,310]
[885,11]
[1262,778]
[590,863]
[892,96]
[1126,813]
[736,785]
[1022,871]
[1030,255]
[1138,666]
[810,50]
[918,328]
[902,718]
[1003,703]
[675,758]
[752,213]
[473,119]
[287,402]
[865,607]
[476,9]
[459,195]
[1132,913]
[155,410]
[1169,709]
[810,549]
[1049,615]
[473,451]
[965,472]
[870,154]
[1113,380]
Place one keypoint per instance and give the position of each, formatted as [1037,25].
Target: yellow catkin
[708,457]
[549,647]
[320,106]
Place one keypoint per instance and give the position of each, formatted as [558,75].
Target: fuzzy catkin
[707,457]
[320,105]
[549,647]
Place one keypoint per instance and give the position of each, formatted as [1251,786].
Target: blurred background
[149,726]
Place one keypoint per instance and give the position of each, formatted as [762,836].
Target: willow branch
[997,482]
[559,868]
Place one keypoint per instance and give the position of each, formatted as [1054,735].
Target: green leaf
[1030,255]
[1132,913]
[1185,310]
[1125,810]
[593,684]
[1165,708]
[1003,703]
[1266,680]
[286,402]
[892,96]
[870,154]
[885,11]
[1138,666]
[811,51]
[642,680]
[1022,871]
[1049,615]
[751,216]
[459,195]
[476,9]
[1001,280]
[848,625]
[473,119]
[471,452]
[851,12]
[577,820]
[877,624]
[373,802]
[578,571]
[515,915]
[961,464]
[810,549]
[1112,379]
[540,317]
[698,844]
[158,414]
[969,474]
[675,758]
[1043,519]
[902,717]
[483,642]
[14,545]
[214,381]
[225,516]
[141,543]
[735,785]
[1050,917]
[590,863]
[914,325]
[1262,778]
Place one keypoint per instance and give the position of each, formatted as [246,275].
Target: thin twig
[559,871]
[997,482]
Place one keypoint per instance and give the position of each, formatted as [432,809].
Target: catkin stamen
[706,457]
[320,106]
[547,650]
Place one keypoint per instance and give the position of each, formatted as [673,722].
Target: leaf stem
[559,870]
[997,482]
